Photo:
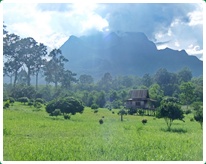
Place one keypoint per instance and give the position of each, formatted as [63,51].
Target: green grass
[31,136]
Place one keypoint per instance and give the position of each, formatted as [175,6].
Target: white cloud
[49,25]
[196,18]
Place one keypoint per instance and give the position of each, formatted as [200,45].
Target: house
[139,99]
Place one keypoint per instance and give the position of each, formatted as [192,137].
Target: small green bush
[101,121]
[94,106]
[95,111]
[67,117]
[7,104]
[40,100]
[23,99]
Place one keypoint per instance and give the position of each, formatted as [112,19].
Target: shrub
[56,112]
[188,111]
[67,117]
[141,112]
[132,111]
[67,105]
[12,100]
[40,100]
[191,119]
[30,103]
[101,121]
[112,112]
[7,104]
[94,106]
[95,111]
[144,121]
[23,99]
[37,105]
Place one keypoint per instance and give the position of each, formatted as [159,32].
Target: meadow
[30,135]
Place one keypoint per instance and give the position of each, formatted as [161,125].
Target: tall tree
[27,50]
[67,78]
[184,75]
[39,62]
[54,67]
[12,56]
[187,92]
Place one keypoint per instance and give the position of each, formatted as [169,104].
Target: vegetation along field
[34,135]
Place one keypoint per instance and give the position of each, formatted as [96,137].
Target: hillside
[126,53]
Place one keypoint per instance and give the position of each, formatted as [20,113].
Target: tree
[66,78]
[106,82]
[86,79]
[156,93]
[55,67]
[170,111]
[199,116]
[12,56]
[121,113]
[28,50]
[147,80]
[39,62]
[184,75]
[67,105]
[187,92]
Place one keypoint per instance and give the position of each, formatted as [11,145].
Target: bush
[101,121]
[30,103]
[7,104]
[144,121]
[141,112]
[56,112]
[191,119]
[132,111]
[23,99]
[95,111]
[67,105]
[12,100]
[37,105]
[94,106]
[188,111]
[67,117]
[40,100]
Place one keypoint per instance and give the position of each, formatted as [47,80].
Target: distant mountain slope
[126,53]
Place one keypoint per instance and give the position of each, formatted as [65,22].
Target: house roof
[139,94]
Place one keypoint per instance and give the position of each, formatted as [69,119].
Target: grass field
[30,135]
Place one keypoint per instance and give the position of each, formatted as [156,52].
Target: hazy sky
[177,26]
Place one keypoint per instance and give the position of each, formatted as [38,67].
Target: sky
[174,25]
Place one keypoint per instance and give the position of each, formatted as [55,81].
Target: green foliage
[23,99]
[170,111]
[94,106]
[67,117]
[56,112]
[132,111]
[40,100]
[187,92]
[199,116]
[144,121]
[37,105]
[66,105]
[7,104]
[101,121]
[141,112]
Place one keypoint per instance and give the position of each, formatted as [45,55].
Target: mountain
[128,53]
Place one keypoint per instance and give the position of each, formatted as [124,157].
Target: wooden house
[139,99]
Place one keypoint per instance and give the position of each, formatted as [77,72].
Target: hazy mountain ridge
[126,53]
